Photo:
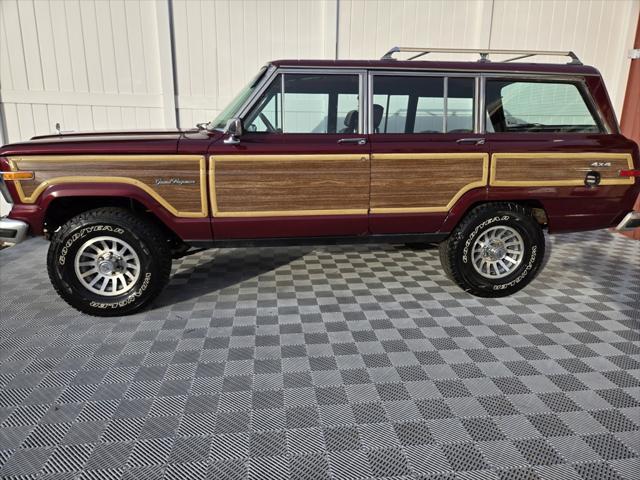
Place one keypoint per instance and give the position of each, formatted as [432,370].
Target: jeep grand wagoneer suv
[481,157]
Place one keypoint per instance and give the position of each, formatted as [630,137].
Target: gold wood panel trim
[111,179]
[291,213]
[276,158]
[435,156]
[289,157]
[569,182]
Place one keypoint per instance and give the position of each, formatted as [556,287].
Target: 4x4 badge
[601,164]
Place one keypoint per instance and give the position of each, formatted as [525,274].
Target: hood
[95,142]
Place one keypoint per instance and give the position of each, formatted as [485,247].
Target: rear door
[547,141]
[426,152]
[301,168]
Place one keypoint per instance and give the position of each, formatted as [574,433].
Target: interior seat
[350,122]
[378,110]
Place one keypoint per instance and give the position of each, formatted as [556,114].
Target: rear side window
[532,106]
[422,104]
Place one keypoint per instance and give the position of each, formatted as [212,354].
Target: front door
[301,168]
[425,154]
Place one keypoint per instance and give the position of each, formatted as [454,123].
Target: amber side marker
[23,175]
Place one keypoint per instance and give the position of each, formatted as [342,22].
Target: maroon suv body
[479,156]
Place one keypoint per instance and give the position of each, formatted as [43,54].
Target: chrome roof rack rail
[484,53]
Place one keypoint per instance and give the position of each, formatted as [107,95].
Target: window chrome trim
[362,91]
[281,102]
[445,106]
[365,104]
[445,75]
[370,128]
[262,86]
[482,118]
[476,105]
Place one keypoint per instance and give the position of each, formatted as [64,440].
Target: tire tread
[449,247]
[153,236]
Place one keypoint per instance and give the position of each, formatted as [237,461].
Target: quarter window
[422,104]
[307,103]
[531,106]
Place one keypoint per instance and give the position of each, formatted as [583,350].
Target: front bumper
[12,231]
[630,222]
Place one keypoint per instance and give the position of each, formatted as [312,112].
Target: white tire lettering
[532,260]
[62,258]
[130,299]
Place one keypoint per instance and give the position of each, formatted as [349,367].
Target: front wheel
[495,251]
[108,262]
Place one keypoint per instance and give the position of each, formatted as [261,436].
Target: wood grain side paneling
[558,169]
[426,182]
[176,182]
[281,185]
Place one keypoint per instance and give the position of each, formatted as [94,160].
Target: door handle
[471,141]
[359,141]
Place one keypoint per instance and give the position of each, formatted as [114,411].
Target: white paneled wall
[220,45]
[600,32]
[366,29]
[112,64]
[106,64]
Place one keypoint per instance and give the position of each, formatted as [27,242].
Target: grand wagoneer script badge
[174,181]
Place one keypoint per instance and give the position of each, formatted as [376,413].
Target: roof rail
[484,53]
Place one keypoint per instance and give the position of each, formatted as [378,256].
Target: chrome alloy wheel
[107,266]
[497,252]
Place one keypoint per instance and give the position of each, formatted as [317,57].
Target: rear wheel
[495,251]
[108,262]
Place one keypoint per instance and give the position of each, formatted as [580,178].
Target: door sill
[318,241]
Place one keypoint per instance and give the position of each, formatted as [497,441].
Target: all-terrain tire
[456,253]
[119,228]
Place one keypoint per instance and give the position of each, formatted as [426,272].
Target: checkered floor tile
[331,362]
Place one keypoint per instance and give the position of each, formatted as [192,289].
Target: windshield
[223,117]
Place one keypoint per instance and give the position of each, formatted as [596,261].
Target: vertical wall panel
[30,45]
[368,29]
[62,48]
[220,45]
[91,44]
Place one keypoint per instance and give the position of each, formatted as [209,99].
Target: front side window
[307,103]
[422,104]
[537,106]
[223,117]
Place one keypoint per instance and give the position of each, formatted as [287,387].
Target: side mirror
[234,131]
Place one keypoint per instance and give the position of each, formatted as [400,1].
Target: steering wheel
[267,123]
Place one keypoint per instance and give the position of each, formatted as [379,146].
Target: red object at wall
[630,122]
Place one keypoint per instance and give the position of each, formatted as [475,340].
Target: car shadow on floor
[211,271]
[215,270]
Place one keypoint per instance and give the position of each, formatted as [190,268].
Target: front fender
[187,228]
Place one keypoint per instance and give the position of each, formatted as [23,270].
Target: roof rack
[484,53]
